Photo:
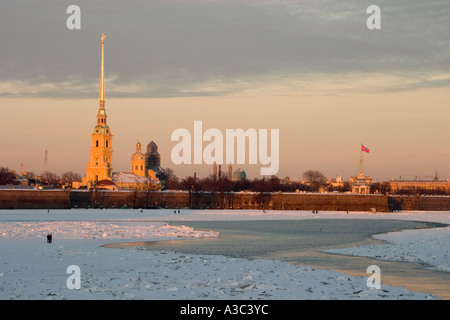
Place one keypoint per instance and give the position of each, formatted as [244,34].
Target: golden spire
[138,145]
[102,74]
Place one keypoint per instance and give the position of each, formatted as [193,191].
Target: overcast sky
[315,61]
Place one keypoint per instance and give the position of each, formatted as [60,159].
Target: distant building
[106,184]
[215,171]
[138,166]
[239,175]
[417,186]
[153,158]
[140,177]
[361,183]
[337,182]
[131,181]
[218,173]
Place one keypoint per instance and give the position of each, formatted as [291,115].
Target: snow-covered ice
[32,269]
[430,246]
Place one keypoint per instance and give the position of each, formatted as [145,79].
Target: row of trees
[314,181]
[8,176]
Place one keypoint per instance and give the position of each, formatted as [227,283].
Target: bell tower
[138,161]
[99,166]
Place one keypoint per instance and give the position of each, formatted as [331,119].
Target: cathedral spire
[102,74]
[101,115]
[99,166]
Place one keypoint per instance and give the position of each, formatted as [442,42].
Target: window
[96,143]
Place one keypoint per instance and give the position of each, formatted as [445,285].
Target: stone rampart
[64,199]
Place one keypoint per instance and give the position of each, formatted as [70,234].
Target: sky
[311,69]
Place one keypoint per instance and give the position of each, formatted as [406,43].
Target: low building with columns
[441,186]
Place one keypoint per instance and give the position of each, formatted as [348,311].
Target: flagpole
[361,163]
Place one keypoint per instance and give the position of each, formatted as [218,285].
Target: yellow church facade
[99,166]
[138,161]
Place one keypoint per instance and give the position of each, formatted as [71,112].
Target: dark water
[301,242]
[257,239]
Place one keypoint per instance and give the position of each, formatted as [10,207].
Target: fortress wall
[437,203]
[64,199]
[331,202]
[34,199]
[424,203]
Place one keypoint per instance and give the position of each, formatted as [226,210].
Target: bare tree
[70,176]
[167,178]
[29,175]
[94,195]
[315,179]
[172,181]
[6,176]
[263,188]
[50,178]
[150,189]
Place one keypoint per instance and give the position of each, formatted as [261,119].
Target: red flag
[363,148]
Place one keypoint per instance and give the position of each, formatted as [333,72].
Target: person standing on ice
[49,238]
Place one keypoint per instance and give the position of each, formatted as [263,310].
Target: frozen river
[230,254]
[305,242]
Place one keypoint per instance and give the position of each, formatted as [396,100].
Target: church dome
[138,155]
[239,175]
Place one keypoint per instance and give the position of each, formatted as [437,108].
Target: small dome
[239,175]
[138,156]
[138,148]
